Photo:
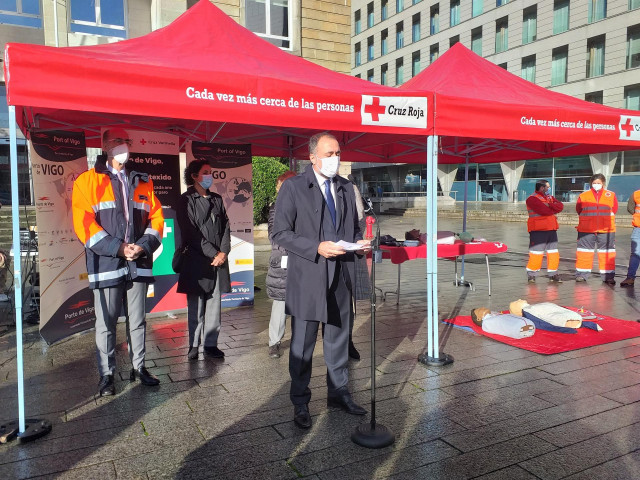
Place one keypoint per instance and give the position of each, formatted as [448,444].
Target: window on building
[415,28]
[399,6]
[502,34]
[476,7]
[357,55]
[434,19]
[528,71]
[414,2]
[529,24]
[454,13]
[434,53]
[559,58]
[370,75]
[370,19]
[633,4]
[383,74]
[25,13]
[384,37]
[357,23]
[399,71]
[633,46]
[370,49]
[99,17]
[453,40]
[595,56]
[499,3]
[415,63]
[384,9]
[399,35]
[503,66]
[596,10]
[632,97]
[560,16]
[594,97]
[476,40]
[630,161]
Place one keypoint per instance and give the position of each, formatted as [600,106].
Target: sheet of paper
[351,247]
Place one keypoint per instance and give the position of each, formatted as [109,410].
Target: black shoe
[353,351]
[346,403]
[145,377]
[581,279]
[555,278]
[193,353]
[106,387]
[214,352]
[531,279]
[301,416]
[609,281]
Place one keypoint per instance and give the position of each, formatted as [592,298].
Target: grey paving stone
[589,453]
[513,472]
[625,395]
[528,423]
[105,470]
[621,468]
[478,462]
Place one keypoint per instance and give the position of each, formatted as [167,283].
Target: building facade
[319,31]
[589,49]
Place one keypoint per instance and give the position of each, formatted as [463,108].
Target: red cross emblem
[143,141]
[375,109]
[627,127]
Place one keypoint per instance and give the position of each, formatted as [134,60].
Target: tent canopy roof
[204,77]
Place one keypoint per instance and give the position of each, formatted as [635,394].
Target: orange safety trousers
[587,243]
[541,241]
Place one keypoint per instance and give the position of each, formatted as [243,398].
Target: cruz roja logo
[629,127]
[409,112]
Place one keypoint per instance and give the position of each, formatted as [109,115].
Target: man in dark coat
[315,210]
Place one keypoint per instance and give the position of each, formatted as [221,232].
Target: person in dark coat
[277,280]
[204,276]
[314,211]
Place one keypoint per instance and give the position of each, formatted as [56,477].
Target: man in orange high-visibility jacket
[633,207]
[118,218]
[597,210]
[543,232]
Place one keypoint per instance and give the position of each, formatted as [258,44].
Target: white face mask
[120,153]
[597,187]
[330,166]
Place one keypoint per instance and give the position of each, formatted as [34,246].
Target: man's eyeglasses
[120,141]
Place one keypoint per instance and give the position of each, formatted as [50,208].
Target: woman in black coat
[204,276]
[277,281]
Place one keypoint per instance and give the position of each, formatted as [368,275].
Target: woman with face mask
[204,227]
[596,209]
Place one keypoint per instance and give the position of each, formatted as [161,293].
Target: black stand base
[372,436]
[33,429]
[441,361]
[463,283]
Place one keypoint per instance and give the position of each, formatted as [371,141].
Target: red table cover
[402,254]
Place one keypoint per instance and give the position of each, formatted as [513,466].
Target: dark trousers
[335,344]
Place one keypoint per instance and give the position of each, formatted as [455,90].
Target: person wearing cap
[119,220]
[543,232]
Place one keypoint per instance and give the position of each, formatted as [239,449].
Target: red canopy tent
[205,77]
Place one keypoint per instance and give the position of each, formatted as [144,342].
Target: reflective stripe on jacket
[636,215]
[100,224]
[537,222]
[597,216]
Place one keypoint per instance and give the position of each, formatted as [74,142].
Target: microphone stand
[372,434]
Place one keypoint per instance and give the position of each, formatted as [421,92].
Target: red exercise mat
[547,343]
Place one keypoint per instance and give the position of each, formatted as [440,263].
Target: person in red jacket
[543,232]
[597,208]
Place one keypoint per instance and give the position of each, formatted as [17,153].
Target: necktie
[330,201]
[125,195]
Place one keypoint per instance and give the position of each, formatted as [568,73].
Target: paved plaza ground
[498,412]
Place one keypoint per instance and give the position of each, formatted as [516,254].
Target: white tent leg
[35,428]
[433,356]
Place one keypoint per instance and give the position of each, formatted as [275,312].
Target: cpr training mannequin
[506,324]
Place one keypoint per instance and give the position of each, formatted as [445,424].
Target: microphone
[367,203]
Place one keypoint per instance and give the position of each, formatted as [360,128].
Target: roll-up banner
[232,180]
[158,155]
[66,303]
